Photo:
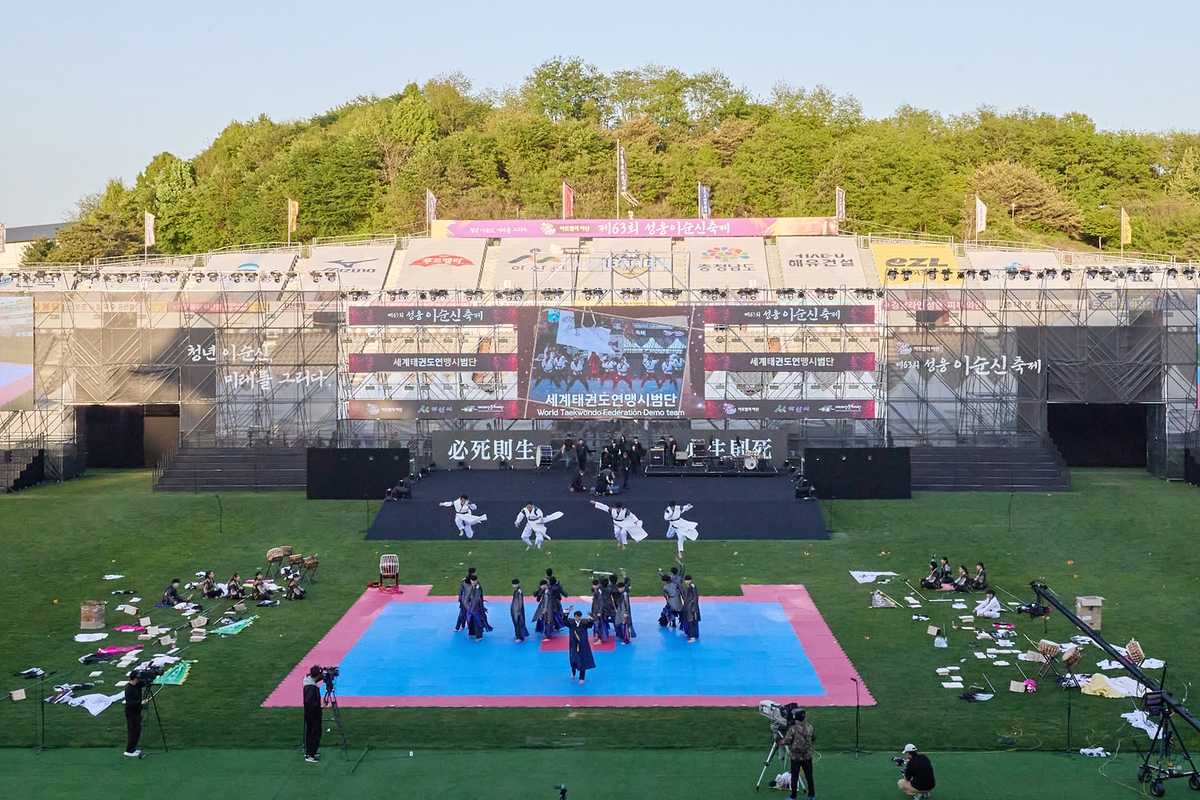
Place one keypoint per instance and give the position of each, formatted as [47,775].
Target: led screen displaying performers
[587,363]
[16,353]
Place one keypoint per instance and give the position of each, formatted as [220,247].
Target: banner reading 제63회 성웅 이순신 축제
[16,353]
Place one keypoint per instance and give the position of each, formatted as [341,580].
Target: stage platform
[402,650]
[725,508]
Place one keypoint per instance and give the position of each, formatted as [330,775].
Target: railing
[168,456]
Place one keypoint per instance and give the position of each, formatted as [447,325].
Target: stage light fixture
[120,278]
[962,275]
[1066,274]
[213,277]
[1172,273]
[237,278]
[1050,273]
[251,277]
[905,274]
[985,274]
[316,276]
[1190,274]
[946,275]
[931,274]
[892,274]
[1026,274]
[331,276]
[1091,273]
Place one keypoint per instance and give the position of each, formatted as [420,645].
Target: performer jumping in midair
[463,518]
[626,525]
[535,524]
[678,527]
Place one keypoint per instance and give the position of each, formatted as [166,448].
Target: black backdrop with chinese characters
[486,449]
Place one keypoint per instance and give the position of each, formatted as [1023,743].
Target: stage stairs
[988,469]
[235,469]
[21,468]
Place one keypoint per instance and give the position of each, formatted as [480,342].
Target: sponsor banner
[16,353]
[483,449]
[915,261]
[790,409]
[747,226]
[719,263]
[765,445]
[258,263]
[789,362]
[333,268]
[997,261]
[430,409]
[432,315]
[789,315]
[627,264]
[933,301]
[439,264]
[433,362]
[822,261]
[532,264]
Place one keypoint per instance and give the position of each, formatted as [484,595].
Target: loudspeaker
[364,474]
[859,473]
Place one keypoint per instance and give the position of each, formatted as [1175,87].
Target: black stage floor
[725,508]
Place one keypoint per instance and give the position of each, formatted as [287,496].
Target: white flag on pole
[149,229]
[430,207]
[841,204]
[980,215]
[623,177]
[3,237]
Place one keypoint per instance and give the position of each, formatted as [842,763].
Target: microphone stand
[41,687]
[857,722]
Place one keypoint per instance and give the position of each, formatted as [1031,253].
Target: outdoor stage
[725,508]
[401,650]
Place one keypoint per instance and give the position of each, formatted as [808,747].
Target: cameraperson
[918,772]
[799,741]
[312,714]
[134,703]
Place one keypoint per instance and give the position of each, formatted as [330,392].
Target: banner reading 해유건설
[547,228]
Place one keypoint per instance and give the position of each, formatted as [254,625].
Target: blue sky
[93,90]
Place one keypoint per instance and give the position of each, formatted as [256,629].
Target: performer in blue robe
[464,587]
[542,614]
[517,611]
[557,593]
[600,625]
[690,618]
[623,616]
[477,621]
[580,649]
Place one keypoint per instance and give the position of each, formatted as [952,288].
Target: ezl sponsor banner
[916,263]
[789,409]
[430,409]
[789,362]
[483,449]
[431,315]
[433,362]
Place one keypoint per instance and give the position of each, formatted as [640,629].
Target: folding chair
[389,567]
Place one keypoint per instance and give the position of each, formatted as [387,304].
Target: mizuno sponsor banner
[432,315]
[789,362]
[430,409]
[339,268]
[433,362]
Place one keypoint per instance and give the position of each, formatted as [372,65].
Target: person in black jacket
[918,773]
[312,714]
[583,453]
[133,715]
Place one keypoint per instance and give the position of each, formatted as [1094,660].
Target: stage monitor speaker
[858,473]
[364,474]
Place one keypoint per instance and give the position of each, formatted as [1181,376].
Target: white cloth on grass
[95,703]
[868,577]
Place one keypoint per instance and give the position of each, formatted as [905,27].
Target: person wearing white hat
[918,773]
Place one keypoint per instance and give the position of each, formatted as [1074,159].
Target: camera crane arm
[1049,598]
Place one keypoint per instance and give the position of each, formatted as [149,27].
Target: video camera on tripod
[782,715]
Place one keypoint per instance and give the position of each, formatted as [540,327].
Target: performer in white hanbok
[678,527]
[535,524]
[463,518]
[626,525]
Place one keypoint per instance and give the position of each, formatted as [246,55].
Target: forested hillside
[364,167]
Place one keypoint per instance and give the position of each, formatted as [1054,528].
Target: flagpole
[618,179]
[699,209]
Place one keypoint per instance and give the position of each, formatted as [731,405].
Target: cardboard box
[1088,610]
[91,615]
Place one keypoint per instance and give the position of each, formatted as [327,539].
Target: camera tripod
[157,718]
[331,701]
[785,757]
[1171,758]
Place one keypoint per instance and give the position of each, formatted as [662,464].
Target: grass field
[1121,534]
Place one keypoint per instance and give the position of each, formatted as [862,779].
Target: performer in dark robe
[579,648]
[608,607]
[623,616]
[690,618]
[542,613]
[477,621]
[517,611]
[674,602]
[464,587]
[557,593]
[598,602]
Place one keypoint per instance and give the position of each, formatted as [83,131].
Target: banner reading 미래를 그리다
[16,353]
[542,228]
[916,263]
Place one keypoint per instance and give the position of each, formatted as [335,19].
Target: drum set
[700,455]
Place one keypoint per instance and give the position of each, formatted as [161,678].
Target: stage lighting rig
[905,274]
[985,274]
[931,274]
[1066,274]
[892,274]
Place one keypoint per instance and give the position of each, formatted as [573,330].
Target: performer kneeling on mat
[579,648]
[464,520]
[690,618]
[934,581]
[979,582]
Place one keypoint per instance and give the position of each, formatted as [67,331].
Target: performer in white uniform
[535,524]
[989,607]
[463,518]
[626,525]
[678,527]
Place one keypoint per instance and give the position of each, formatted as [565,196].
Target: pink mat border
[830,662]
